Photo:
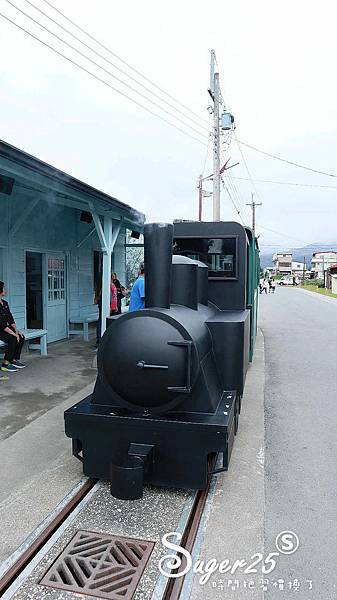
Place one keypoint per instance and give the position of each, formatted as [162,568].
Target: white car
[287,281]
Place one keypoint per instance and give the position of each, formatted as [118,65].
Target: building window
[56,279]
[219,254]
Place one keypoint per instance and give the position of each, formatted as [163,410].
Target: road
[300,336]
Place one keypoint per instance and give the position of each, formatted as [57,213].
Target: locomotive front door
[56,297]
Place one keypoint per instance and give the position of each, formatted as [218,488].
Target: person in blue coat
[137,299]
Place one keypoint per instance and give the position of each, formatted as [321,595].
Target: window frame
[215,237]
[56,273]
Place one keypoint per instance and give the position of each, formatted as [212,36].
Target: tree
[134,257]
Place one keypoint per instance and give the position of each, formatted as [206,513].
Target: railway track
[26,554]
[174,586]
[12,572]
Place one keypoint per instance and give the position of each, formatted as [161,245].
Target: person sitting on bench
[10,334]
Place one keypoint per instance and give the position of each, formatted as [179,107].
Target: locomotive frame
[171,377]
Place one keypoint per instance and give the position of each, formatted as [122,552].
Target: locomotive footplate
[130,449]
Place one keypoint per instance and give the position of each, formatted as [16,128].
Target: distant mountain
[308,251]
[266,257]
[266,260]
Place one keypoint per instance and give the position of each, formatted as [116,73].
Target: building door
[56,297]
[34,290]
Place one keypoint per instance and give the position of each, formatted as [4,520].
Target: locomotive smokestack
[158,239]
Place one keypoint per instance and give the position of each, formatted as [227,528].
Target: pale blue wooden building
[58,236]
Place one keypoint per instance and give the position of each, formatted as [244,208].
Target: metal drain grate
[104,566]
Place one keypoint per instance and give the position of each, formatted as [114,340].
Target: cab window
[219,254]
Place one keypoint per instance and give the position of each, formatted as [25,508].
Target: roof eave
[42,168]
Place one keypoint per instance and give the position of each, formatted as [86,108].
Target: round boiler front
[147,359]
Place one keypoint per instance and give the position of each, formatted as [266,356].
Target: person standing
[137,299]
[113,296]
[113,306]
[120,292]
[9,333]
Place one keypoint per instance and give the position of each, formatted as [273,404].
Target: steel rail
[174,586]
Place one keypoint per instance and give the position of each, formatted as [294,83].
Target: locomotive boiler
[171,376]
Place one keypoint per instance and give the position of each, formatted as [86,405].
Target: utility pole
[227,123]
[216,150]
[200,197]
[253,206]
[202,194]
[303,278]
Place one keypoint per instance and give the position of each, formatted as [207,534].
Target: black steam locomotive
[171,376]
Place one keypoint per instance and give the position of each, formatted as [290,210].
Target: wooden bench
[84,321]
[32,334]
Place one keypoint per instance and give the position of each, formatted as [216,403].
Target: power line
[289,237]
[146,88]
[123,61]
[248,171]
[232,200]
[226,140]
[104,69]
[206,155]
[237,195]
[289,162]
[234,188]
[310,185]
[114,65]
[102,80]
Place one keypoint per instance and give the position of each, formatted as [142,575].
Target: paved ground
[300,332]
[36,468]
[46,382]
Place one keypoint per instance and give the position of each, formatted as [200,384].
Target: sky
[278,70]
